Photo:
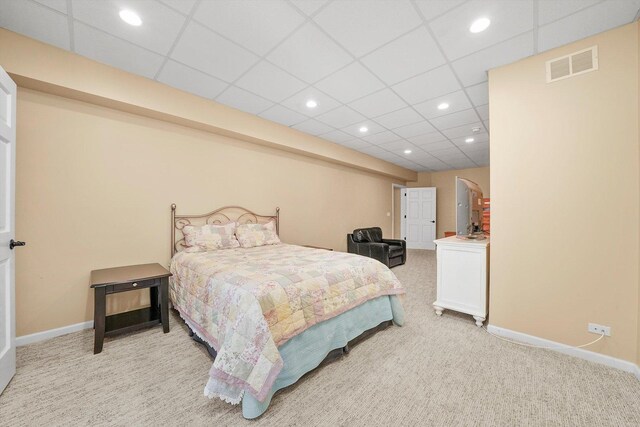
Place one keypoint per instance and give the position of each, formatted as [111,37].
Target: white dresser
[463,277]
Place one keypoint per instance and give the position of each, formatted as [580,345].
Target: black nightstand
[123,279]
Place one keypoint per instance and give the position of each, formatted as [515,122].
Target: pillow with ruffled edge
[210,237]
[252,235]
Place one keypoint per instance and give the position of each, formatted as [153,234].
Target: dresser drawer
[140,284]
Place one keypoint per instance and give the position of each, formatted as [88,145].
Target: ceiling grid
[384,65]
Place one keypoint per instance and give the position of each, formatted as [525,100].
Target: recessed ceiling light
[443,106]
[475,129]
[363,129]
[479,25]
[130,17]
[469,140]
[311,104]
[407,151]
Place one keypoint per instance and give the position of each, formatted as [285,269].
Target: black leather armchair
[369,242]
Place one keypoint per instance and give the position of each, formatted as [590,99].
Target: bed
[269,314]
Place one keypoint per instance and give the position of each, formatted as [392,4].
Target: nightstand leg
[154,301]
[99,318]
[164,303]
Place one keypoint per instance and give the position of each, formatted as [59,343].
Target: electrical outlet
[594,328]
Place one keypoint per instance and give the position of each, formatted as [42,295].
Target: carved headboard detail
[219,216]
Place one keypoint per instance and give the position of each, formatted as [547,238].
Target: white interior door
[7,228]
[420,217]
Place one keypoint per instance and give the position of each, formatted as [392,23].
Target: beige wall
[424,180]
[565,197]
[101,154]
[444,182]
[94,188]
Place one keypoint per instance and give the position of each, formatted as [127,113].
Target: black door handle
[14,243]
[434,221]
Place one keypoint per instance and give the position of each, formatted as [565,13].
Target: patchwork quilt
[246,302]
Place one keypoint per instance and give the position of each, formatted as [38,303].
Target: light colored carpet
[433,371]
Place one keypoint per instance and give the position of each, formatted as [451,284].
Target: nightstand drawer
[139,284]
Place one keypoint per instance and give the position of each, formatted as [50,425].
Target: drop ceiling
[381,64]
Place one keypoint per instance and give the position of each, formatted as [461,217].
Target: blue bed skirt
[306,351]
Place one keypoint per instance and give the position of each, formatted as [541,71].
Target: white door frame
[8,92]
[403,214]
[393,210]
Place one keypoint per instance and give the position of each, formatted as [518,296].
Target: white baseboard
[52,333]
[568,350]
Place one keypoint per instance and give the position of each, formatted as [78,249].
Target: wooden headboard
[219,216]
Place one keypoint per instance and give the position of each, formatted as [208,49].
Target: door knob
[14,243]
[434,221]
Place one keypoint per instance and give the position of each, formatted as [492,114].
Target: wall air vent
[571,65]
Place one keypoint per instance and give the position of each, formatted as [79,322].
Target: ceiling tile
[428,138]
[405,116]
[600,17]
[382,137]
[435,164]
[159,29]
[243,100]
[350,83]
[59,5]
[309,54]
[473,69]
[435,146]
[551,10]
[445,154]
[309,7]
[508,18]
[35,21]
[455,119]
[478,138]
[257,25]
[378,103]
[420,156]
[341,117]
[313,127]
[483,111]
[373,151]
[407,56]
[202,49]
[428,85]
[354,129]
[337,136]
[414,129]
[183,6]
[479,94]
[270,82]
[433,8]
[398,146]
[362,26]
[283,115]
[463,164]
[298,102]
[478,147]
[462,131]
[113,51]
[190,80]
[457,101]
